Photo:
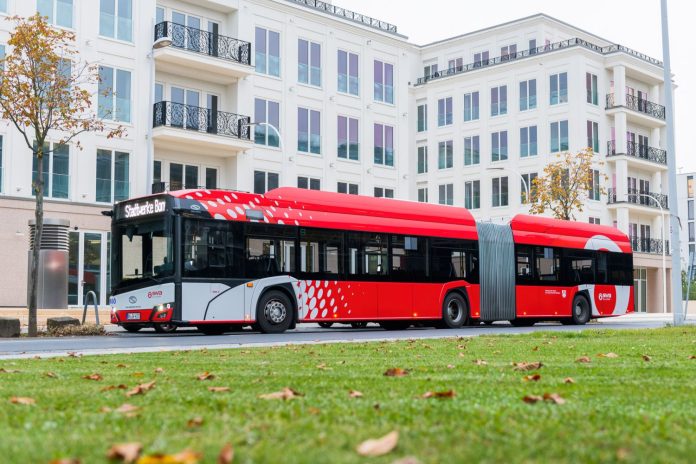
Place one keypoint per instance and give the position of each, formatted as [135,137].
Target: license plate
[133,316]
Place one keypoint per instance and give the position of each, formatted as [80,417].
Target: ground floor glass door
[640,289]
[88,266]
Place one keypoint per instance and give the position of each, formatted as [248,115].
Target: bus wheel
[165,328]
[581,310]
[132,328]
[395,325]
[274,312]
[455,311]
[325,325]
[358,325]
[523,322]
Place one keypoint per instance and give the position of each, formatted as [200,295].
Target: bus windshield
[143,250]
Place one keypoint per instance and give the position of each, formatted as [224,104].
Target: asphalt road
[119,341]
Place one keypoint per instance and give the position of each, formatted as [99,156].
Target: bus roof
[536,230]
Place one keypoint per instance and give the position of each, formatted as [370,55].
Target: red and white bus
[221,260]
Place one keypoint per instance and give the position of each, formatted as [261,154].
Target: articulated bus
[222,260]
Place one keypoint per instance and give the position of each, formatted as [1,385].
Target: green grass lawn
[619,408]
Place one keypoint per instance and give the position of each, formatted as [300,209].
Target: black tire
[358,325]
[395,325]
[455,311]
[581,310]
[165,328]
[213,329]
[274,312]
[325,325]
[523,322]
[132,328]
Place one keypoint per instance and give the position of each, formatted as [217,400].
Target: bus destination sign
[144,208]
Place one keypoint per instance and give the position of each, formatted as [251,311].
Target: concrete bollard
[9,327]
[57,323]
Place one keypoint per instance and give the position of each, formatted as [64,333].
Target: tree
[44,92]
[565,185]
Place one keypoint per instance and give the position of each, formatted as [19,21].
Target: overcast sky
[633,23]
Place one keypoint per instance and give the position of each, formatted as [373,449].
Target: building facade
[687,233]
[254,94]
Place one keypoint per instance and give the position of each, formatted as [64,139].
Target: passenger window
[320,252]
[367,254]
[208,250]
[267,257]
[524,263]
[547,264]
[408,258]
[453,260]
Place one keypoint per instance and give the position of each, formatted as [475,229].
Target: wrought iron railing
[347,14]
[199,119]
[638,104]
[645,152]
[163,187]
[574,42]
[649,245]
[204,42]
[639,197]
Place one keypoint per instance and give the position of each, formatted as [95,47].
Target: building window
[559,136]
[308,183]
[692,234]
[114,94]
[444,111]
[446,194]
[384,145]
[381,192]
[528,141]
[591,85]
[528,95]
[112,176]
[593,136]
[499,100]
[157,171]
[559,88]
[471,106]
[508,51]
[690,210]
[3,6]
[481,59]
[690,186]
[347,187]
[308,131]
[499,146]
[472,150]
[422,118]
[593,192]
[594,220]
[348,141]
[265,181]
[384,82]
[423,194]
[348,80]
[211,178]
[56,170]
[116,19]
[430,70]
[268,112]
[308,62]
[183,176]
[472,194]
[532,46]
[455,65]
[422,159]
[445,156]
[59,12]
[526,186]
[267,52]
[500,191]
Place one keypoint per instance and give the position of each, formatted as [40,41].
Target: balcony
[199,130]
[639,152]
[649,245]
[200,54]
[327,7]
[639,105]
[640,198]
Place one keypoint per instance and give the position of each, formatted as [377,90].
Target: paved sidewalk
[43,314]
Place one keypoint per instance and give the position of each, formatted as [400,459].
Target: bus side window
[320,253]
[367,254]
[620,268]
[408,259]
[547,266]
[266,257]
[579,266]
[602,267]
[523,256]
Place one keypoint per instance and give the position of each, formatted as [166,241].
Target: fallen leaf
[205,376]
[693,356]
[531,399]
[141,389]
[114,387]
[323,367]
[525,366]
[218,389]
[396,372]
[93,377]
[536,348]
[8,371]
[355,394]
[22,400]
[461,355]
[226,454]
[124,452]
[121,366]
[568,380]
[583,359]
[646,358]
[480,362]
[379,446]
[105,409]
[183,457]
[159,370]
[65,461]
[607,355]
[407,460]
[532,378]
[138,374]
[285,394]
[439,394]
[194,422]
[376,406]
[450,366]
[51,375]
[128,410]
[554,398]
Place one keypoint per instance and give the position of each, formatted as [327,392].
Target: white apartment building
[687,233]
[253,94]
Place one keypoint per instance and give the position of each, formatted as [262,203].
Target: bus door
[367,272]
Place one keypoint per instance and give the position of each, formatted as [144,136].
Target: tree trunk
[38,232]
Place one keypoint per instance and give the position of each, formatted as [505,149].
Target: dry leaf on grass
[583,359]
[138,374]
[693,356]
[65,461]
[226,454]
[128,410]
[8,371]
[114,387]
[379,446]
[205,376]
[194,422]
[124,452]
[285,394]
[450,366]
[607,355]
[159,370]
[480,362]
[22,400]
[568,380]
[554,398]
[407,460]
[141,389]
[323,367]
[219,389]
[532,378]
[121,366]
[525,366]
[51,375]
[355,394]
[646,358]
[531,399]
[183,457]
[440,394]
[94,376]
[396,372]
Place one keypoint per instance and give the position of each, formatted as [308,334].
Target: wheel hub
[454,311]
[275,312]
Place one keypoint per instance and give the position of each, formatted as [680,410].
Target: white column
[619,85]
[621,180]
[620,127]
[654,94]
[622,220]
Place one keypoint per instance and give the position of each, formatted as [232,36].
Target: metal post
[94,303]
[671,169]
